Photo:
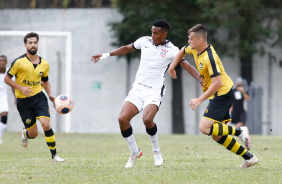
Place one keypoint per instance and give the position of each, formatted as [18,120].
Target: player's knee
[32,134]
[122,120]
[204,129]
[147,121]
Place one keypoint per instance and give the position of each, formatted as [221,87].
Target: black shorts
[240,116]
[32,108]
[218,108]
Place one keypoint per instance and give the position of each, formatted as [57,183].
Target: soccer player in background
[4,107]
[238,109]
[217,88]
[157,52]
[31,73]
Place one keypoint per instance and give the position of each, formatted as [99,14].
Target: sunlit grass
[100,158]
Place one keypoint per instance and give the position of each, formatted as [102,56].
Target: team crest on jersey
[27,121]
[40,74]
[207,110]
[201,66]
[164,52]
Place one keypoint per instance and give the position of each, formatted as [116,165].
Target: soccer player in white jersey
[4,108]
[157,52]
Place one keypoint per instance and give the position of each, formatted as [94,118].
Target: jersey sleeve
[138,43]
[46,73]
[13,70]
[188,49]
[212,65]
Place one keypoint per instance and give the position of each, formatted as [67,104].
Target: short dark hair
[163,24]
[3,57]
[200,30]
[30,35]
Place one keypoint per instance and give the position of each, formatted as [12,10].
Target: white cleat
[158,158]
[245,137]
[249,163]
[56,158]
[24,140]
[131,161]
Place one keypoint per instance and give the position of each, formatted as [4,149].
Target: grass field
[100,158]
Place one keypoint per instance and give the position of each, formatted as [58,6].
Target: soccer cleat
[245,137]
[249,163]
[56,158]
[131,161]
[158,158]
[24,139]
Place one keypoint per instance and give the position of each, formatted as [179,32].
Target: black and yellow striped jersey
[209,65]
[28,75]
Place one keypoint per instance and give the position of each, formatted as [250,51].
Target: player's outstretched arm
[192,71]
[120,51]
[171,70]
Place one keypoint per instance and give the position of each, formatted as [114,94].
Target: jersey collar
[30,61]
[205,49]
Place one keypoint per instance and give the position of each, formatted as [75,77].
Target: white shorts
[4,107]
[141,98]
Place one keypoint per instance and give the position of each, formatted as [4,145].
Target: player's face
[3,62]
[31,45]
[193,41]
[158,35]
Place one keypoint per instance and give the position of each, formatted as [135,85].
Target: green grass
[100,158]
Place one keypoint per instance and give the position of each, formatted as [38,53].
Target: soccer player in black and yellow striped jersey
[217,88]
[31,73]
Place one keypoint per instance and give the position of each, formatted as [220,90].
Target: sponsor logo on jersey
[163,52]
[31,83]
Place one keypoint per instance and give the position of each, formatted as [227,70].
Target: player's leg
[151,128]
[50,138]
[3,124]
[127,112]
[43,115]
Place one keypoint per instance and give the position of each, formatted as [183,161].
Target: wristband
[104,56]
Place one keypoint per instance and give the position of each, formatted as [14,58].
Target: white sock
[155,142]
[132,144]
[2,128]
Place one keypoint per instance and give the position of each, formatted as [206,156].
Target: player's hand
[194,103]
[241,88]
[52,98]
[26,91]
[172,73]
[96,58]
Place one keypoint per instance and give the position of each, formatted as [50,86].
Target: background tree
[138,19]
[245,24]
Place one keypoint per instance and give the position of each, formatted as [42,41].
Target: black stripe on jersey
[162,91]
[215,73]
[12,64]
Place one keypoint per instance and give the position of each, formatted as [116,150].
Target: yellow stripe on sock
[235,147]
[225,129]
[50,139]
[227,141]
[215,129]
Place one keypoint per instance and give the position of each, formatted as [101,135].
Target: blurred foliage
[140,15]
[24,4]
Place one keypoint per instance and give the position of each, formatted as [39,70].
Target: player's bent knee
[32,135]
[204,129]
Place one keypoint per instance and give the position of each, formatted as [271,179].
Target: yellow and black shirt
[29,75]
[209,65]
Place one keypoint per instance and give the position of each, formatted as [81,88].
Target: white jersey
[3,94]
[154,63]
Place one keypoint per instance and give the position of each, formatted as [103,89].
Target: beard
[32,52]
